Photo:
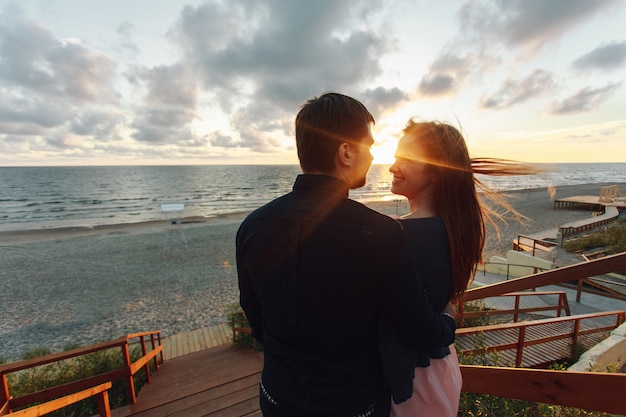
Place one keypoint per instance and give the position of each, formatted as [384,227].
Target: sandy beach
[84,285]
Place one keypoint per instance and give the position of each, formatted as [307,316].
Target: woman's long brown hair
[456,196]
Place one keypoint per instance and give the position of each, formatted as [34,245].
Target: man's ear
[344,154]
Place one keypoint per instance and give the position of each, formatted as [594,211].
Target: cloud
[266,59]
[55,92]
[125,31]
[169,105]
[492,30]
[584,100]
[103,125]
[174,85]
[528,23]
[221,140]
[446,73]
[32,59]
[256,62]
[66,142]
[18,109]
[608,56]
[516,91]
[380,99]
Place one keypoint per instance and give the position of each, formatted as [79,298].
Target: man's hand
[450,311]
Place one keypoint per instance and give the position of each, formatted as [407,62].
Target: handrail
[578,317]
[587,390]
[517,245]
[127,372]
[595,391]
[535,269]
[597,289]
[100,391]
[574,272]
[56,357]
[521,342]
[562,305]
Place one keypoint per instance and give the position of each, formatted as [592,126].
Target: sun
[387,132]
[383,153]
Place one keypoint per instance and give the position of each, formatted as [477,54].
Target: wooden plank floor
[196,340]
[221,381]
[204,374]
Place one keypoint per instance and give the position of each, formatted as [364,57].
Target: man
[320,275]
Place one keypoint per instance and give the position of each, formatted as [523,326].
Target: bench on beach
[610,194]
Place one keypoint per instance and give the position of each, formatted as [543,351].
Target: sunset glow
[157,82]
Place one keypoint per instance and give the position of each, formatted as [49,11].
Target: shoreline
[539,216]
[85,285]
[384,206]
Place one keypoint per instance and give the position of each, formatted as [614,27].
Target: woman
[446,228]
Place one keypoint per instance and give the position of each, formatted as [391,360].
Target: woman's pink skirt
[436,390]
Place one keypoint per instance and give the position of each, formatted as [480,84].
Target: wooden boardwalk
[196,340]
[609,212]
[220,381]
[224,380]
[204,374]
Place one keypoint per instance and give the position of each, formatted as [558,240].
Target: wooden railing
[99,391]
[610,215]
[557,276]
[595,391]
[560,332]
[561,305]
[598,289]
[518,246]
[93,385]
[531,269]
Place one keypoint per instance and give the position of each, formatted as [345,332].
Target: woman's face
[412,176]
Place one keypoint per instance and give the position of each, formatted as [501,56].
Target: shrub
[472,306]
[69,370]
[237,319]
[613,238]
[36,353]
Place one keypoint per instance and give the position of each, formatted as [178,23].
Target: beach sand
[84,285]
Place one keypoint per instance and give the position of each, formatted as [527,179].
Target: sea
[34,198]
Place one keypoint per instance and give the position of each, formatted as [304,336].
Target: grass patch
[612,238]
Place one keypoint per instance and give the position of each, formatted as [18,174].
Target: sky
[155,82]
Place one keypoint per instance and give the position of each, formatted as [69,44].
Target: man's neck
[334,174]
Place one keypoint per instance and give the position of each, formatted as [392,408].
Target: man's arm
[410,312]
[247,296]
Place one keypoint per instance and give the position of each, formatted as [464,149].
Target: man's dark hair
[325,122]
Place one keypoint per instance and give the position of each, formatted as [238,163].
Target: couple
[352,306]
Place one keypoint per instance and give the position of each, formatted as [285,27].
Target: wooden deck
[587,202]
[196,340]
[610,212]
[220,381]
[223,380]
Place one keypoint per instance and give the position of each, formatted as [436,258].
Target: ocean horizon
[33,198]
